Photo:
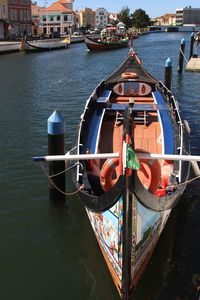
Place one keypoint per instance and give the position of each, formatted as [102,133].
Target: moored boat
[47,45]
[9,47]
[109,44]
[132,132]
[133,164]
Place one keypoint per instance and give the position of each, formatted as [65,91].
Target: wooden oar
[140,155]
[68,156]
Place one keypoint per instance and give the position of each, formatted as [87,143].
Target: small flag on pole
[131,158]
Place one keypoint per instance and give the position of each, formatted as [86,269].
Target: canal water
[49,254]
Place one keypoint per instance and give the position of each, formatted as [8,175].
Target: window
[3,10]
[16,15]
[65,18]
[12,14]
[21,15]
[58,18]
[28,15]
[44,18]
[51,18]
[24,15]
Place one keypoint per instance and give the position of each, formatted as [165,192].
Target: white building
[101,18]
[58,17]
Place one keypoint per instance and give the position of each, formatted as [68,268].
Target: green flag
[131,159]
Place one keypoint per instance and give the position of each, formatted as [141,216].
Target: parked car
[172,29]
[76,33]
[54,35]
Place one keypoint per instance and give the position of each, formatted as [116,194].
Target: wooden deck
[193,65]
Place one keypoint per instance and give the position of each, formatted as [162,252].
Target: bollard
[181,55]
[168,73]
[191,44]
[56,142]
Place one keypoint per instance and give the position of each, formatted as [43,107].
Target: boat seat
[137,107]
[120,99]
[168,132]
[94,130]
[104,98]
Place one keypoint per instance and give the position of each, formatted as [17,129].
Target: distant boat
[44,45]
[98,44]
[9,47]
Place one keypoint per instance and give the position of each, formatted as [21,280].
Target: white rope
[184,55]
[56,187]
[190,180]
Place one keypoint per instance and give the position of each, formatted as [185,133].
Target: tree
[124,16]
[140,19]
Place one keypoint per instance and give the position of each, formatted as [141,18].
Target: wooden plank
[193,65]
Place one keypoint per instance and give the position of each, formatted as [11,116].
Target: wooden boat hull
[128,204]
[9,47]
[95,45]
[32,47]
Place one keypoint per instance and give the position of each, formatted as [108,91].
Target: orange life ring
[107,171]
[129,75]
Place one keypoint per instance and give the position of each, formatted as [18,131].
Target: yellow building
[87,18]
[3,18]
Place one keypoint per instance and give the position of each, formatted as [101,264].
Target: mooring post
[168,73]
[181,55]
[191,44]
[56,145]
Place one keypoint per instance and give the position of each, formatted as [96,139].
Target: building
[19,18]
[112,18]
[167,19]
[58,17]
[35,12]
[187,16]
[87,18]
[3,19]
[101,18]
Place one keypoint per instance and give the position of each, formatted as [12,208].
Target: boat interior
[151,130]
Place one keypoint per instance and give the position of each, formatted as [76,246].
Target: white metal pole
[140,155]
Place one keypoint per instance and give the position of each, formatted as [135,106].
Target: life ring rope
[129,75]
[107,171]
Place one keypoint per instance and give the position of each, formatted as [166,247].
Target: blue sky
[153,8]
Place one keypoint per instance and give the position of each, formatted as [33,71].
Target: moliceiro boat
[132,154]
[98,44]
[44,45]
[132,132]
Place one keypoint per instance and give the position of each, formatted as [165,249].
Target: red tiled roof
[66,1]
[60,5]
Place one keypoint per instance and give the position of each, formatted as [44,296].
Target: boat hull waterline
[41,46]
[95,45]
